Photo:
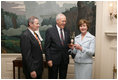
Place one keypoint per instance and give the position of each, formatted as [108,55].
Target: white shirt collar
[31,31]
[58,29]
[38,33]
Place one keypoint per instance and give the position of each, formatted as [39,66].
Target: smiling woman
[83,26]
[84,48]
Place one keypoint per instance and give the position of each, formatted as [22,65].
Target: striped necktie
[62,38]
[37,38]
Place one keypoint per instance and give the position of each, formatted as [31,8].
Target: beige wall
[7,67]
[106,42]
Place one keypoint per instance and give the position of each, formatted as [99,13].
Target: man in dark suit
[56,48]
[31,50]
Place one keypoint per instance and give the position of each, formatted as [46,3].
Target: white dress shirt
[37,32]
[58,29]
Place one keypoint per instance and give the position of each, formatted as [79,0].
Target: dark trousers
[55,69]
[27,76]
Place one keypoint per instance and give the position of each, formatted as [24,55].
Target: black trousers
[55,69]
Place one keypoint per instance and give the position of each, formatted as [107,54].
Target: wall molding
[111,33]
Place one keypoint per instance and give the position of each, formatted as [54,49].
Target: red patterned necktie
[62,38]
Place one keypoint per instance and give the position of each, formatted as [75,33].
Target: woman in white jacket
[84,48]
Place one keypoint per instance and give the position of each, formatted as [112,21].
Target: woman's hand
[77,46]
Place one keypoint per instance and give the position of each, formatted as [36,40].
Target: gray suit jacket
[88,48]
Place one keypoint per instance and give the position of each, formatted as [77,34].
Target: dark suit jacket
[54,50]
[31,53]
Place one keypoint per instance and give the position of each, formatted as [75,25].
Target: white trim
[111,34]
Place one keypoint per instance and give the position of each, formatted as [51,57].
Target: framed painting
[14,15]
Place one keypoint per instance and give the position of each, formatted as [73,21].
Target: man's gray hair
[31,19]
[59,16]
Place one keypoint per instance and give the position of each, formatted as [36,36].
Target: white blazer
[88,48]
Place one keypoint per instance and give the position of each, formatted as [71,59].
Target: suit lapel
[32,36]
[65,33]
[86,38]
[57,35]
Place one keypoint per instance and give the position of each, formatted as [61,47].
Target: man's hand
[71,46]
[50,63]
[33,74]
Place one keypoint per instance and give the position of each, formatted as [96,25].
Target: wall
[106,42]
[7,67]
